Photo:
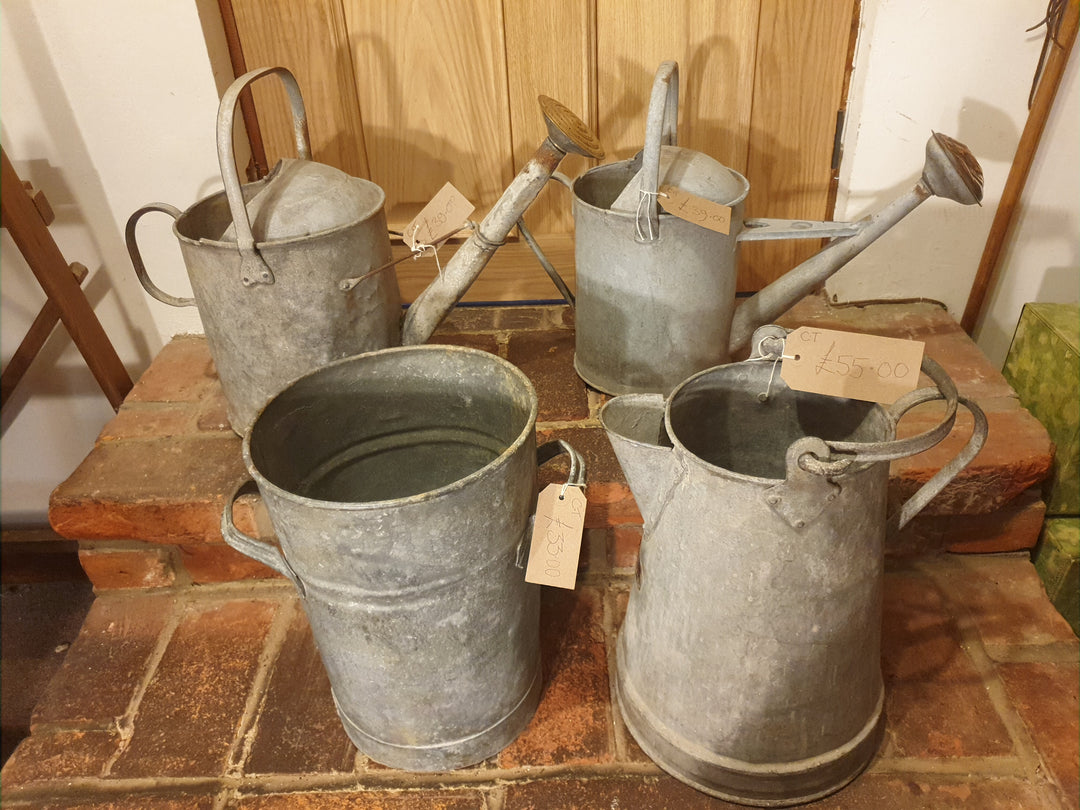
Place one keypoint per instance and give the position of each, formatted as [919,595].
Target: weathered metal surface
[282,270]
[272,310]
[656,294]
[400,484]
[748,664]
[566,133]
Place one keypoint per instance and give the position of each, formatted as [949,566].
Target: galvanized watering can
[748,665]
[288,272]
[656,294]
[400,484]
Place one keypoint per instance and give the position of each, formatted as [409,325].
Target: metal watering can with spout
[287,272]
[656,294]
[748,665]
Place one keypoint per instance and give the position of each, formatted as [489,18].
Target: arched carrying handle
[810,460]
[266,553]
[253,268]
[136,256]
[660,129]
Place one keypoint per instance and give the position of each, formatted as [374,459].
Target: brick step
[161,470]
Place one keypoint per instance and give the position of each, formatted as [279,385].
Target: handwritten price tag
[446,214]
[849,364]
[706,213]
[556,539]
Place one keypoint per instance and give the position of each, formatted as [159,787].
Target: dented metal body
[748,664]
[400,484]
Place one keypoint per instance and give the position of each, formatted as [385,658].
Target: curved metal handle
[556,447]
[545,453]
[136,256]
[803,459]
[932,488]
[253,268]
[660,128]
[265,553]
[868,452]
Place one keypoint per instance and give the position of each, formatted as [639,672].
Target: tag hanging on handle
[446,214]
[851,364]
[698,210]
[556,538]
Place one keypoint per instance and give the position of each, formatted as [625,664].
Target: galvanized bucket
[400,484]
[270,301]
[749,659]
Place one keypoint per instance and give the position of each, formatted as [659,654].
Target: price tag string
[417,250]
[645,195]
[775,359]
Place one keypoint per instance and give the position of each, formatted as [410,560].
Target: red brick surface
[936,702]
[193,705]
[1045,695]
[368,800]
[298,729]
[217,562]
[213,696]
[182,372]
[547,358]
[571,725]
[107,662]
[149,567]
[163,467]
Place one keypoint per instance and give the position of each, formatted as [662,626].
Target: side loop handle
[932,488]
[868,452]
[820,461]
[660,129]
[136,256]
[253,268]
[556,447]
[269,555]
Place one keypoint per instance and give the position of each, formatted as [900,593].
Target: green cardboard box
[1058,566]
[1043,366]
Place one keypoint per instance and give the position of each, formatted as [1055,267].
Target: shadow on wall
[82,202]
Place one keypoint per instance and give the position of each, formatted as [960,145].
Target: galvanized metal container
[656,293]
[265,261]
[749,660]
[400,484]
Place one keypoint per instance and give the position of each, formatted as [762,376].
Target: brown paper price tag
[706,213]
[556,539]
[446,214]
[850,364]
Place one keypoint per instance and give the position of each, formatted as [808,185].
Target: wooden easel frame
[28,226]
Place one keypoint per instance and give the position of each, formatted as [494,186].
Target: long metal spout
[566,133]
[950,171]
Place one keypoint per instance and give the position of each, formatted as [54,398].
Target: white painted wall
[963,68]
[109,105]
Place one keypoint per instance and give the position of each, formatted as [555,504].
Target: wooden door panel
[791,137]
[549,51]
[413,93]
[431,82]
[712,40]
[310,39]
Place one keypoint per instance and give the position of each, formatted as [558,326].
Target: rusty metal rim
[424,497]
